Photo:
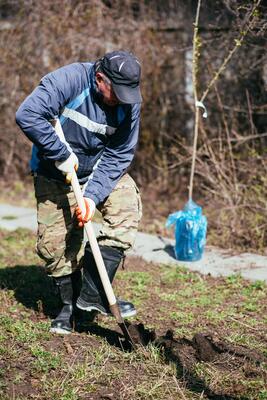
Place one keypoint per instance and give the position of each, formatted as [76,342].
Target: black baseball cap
[124,71]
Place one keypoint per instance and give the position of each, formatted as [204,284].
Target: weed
[18,378]
[216,316]
[24,331]
[183,317]
[45,360]
[254,286]
[250,306]
[176,274]
[235,281]
[9,217]
[6,321]
[168,296]
[3,350]
[154,353]
[183,331]
[263,394]
[246,339]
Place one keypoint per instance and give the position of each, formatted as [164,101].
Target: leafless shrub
[39,36]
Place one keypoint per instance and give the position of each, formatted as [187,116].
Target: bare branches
[249,22]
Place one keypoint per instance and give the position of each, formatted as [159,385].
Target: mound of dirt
[204,347]
[222,357]
[205,351]
[140,335]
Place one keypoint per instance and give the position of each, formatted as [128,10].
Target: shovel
[113,305]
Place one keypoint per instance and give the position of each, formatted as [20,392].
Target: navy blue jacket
[104,138]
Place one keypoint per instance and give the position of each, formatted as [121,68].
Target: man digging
[98,105]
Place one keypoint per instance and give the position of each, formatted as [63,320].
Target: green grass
[44,360]
[19,192]
[136,285]
[37,365]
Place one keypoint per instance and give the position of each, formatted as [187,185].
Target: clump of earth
[202,348]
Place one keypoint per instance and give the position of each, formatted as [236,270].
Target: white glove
[68,166]
[89,212]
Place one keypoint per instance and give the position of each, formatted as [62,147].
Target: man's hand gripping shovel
[114,308]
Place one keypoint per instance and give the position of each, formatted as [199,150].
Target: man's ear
[99,77]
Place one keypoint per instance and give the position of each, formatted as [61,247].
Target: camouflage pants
[60,240]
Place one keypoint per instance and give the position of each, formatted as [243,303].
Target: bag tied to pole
[190,232]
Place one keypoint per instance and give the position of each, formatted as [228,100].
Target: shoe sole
[94,308]
[59,331]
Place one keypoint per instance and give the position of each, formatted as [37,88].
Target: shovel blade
[116,313]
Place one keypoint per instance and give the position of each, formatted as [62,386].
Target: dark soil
[140,335]
[186,354]
[203,347]
[204,353]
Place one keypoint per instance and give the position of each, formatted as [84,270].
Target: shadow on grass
[32,288]
[35,290]
[114,338]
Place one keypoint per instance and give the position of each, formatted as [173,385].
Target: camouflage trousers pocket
[44,246]
[121,213]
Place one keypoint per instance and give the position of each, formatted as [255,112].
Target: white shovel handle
[89,229]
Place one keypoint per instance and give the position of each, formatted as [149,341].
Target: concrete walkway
[216,262]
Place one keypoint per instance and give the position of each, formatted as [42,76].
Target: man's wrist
[64,156]
[92,197]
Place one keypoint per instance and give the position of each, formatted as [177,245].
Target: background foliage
[39,36]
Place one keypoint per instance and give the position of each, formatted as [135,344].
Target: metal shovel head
[116,313]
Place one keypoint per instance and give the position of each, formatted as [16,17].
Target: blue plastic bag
[190,232]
